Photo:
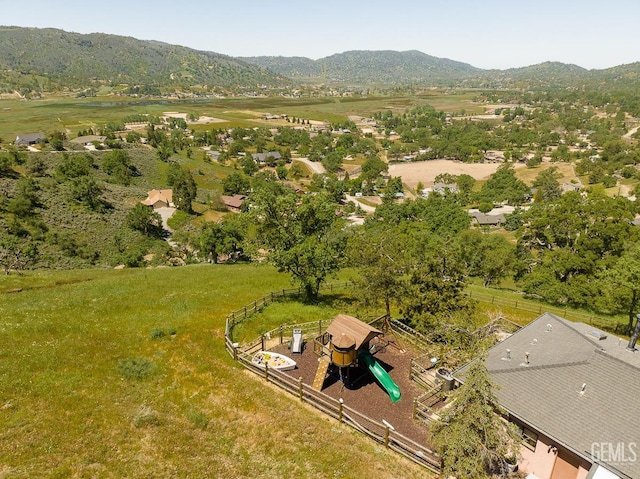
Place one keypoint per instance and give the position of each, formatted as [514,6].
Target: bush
[145,416]
[485,207]
[136,368]
[198,418]
[133,258]
[157,333]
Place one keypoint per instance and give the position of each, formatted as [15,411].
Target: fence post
[340,409]
[235,351]
[262,340]
[300,387]
[266,371]
[319,327]
[386,436]
[281,334]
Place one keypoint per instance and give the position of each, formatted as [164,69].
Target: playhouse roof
[348,325]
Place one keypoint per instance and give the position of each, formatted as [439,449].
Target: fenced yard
[422,369]
[380,432]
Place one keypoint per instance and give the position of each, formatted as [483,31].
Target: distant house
[89,141]
[30,138]
[234,203]
[484,219]
[566,187]
[261,158]
[159,199]
[440,188]
[443,188]
[573,391]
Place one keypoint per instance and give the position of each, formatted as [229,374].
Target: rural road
[367,208]
[630,133]
[166,213]
[315,166]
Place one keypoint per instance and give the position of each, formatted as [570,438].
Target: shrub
[198,418]
[136,368]
[157,333]
[145,416]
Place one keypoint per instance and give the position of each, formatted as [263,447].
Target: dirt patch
[426,171]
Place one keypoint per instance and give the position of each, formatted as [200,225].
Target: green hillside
[72,59]
[125,374]
[361,66]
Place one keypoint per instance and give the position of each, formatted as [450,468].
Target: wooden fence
[379,432]
[336,409]
[423,405]
[236,317]
[611,324]
[420,373]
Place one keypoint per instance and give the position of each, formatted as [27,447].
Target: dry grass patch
[565,170]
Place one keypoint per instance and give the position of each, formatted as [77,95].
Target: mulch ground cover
[362,392]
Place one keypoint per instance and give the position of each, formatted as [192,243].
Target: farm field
[60,113]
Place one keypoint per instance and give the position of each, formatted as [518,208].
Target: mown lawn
[124,374]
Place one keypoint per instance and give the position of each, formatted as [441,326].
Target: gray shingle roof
[29,138]
[546,391]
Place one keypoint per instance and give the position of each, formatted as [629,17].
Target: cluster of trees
[569,131]
[417,256]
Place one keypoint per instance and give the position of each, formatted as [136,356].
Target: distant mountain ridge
[364,66]
[409,67]
[75,58]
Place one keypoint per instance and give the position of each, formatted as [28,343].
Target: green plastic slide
[381,375]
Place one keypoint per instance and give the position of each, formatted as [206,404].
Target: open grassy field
[124,374]
[61,112]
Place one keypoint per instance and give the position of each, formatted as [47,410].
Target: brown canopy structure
[345,325]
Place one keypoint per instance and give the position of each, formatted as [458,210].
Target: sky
[502,34]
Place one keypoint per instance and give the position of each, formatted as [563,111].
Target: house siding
[541,461]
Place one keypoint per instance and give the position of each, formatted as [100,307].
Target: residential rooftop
[574,383]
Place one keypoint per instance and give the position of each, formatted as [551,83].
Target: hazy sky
[487,34]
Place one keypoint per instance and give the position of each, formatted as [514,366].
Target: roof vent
[507,356]
[534,341]
[599,335]
[583,389]
[549,328]
[526,360]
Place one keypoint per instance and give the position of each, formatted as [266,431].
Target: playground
[366,368]
[370,375]
[366,395]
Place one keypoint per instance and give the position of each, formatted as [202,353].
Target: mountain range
[364,66]
[79,59]
[74,60]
